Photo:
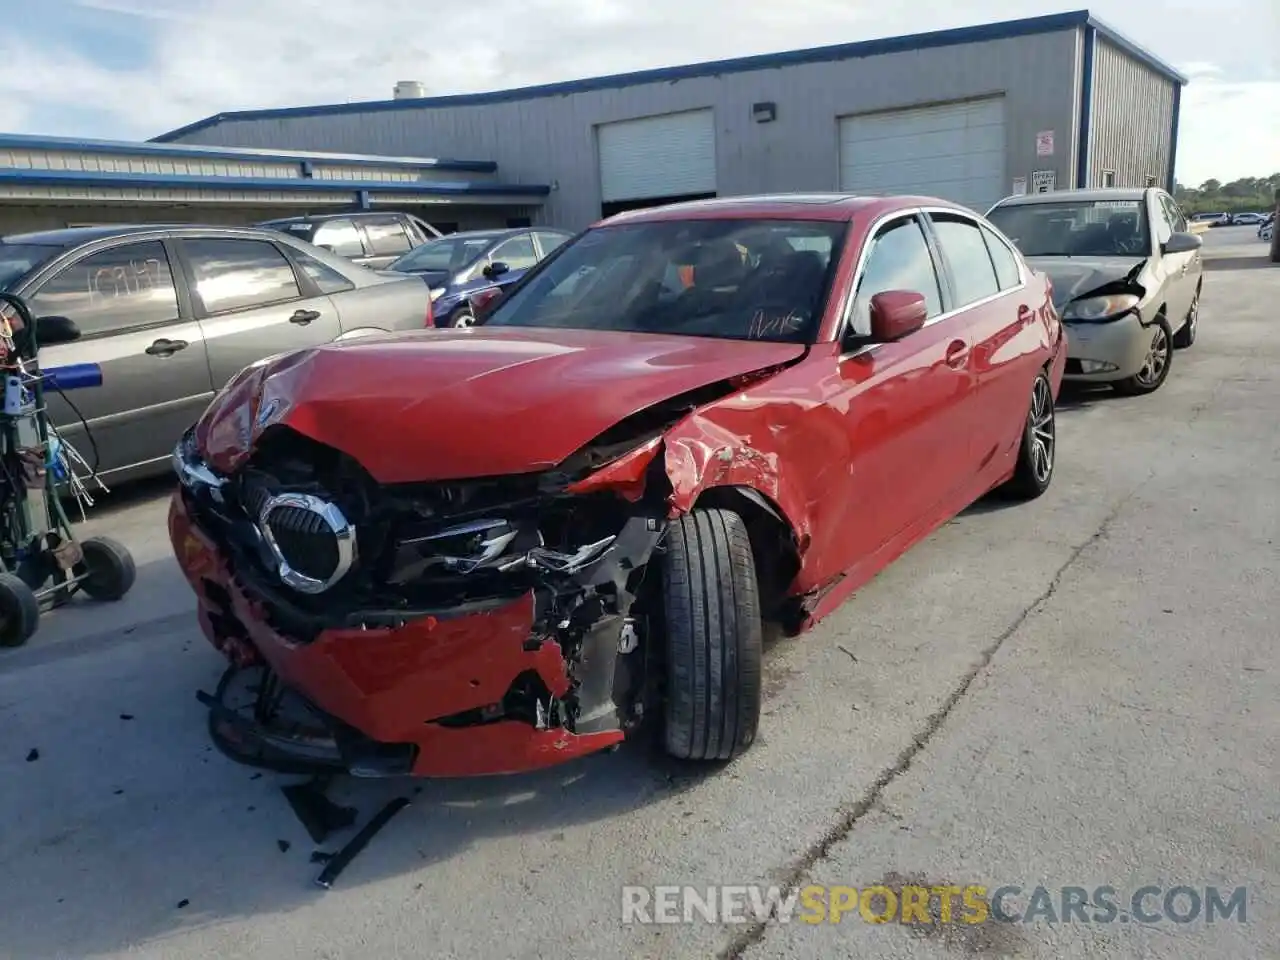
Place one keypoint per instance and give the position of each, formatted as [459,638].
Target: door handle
[303,317]
[166,348]
[1025,315]
[957,353]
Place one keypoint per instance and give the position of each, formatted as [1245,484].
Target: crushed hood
[463,403]
[1075,277]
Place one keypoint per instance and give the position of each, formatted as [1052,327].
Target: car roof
[781,206]
[1097,194]
[75,236]
[319,217]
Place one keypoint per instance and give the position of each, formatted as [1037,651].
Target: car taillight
[431,315]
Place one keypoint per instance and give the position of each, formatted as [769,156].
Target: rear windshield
[731,279]
[19,259]
[303,230]
[1076,228]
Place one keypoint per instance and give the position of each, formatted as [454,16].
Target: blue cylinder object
[75,376]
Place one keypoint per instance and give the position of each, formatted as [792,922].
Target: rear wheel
[713,637]
[1155,367]
[1038,452]
[463,317]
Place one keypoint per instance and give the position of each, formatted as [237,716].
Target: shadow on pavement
[1223,264]
[124,824]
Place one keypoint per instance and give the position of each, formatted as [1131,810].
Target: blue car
[464,269]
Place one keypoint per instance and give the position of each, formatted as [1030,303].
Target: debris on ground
[126,716]
[33,755]
[183,903]
[318,814]
[321,856]
[284,845]
[357,843]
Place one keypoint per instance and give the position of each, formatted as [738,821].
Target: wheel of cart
[43,564]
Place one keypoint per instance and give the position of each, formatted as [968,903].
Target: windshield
[1078,228]
[445,255]
[19,259]
[733,279]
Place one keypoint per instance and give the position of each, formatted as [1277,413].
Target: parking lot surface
[1082,691]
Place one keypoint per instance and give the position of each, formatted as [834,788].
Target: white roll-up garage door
[954,151]
[673,155]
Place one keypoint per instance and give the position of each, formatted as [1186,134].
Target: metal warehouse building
[971,114]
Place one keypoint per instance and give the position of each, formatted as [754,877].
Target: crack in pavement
[816,853]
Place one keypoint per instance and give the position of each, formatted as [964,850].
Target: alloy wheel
[1157,358]
[1043,430]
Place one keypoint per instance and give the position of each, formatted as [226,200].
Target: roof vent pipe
[410,90]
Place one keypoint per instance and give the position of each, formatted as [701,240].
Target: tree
[1210,186]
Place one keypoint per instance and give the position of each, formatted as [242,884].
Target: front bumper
[1103,352]
[395,685]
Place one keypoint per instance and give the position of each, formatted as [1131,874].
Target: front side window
[446,255]
[898,259]
[517,253]
[550,242]
[240,274]
[340,236]
[125,286]
[1076,228]
[734,279]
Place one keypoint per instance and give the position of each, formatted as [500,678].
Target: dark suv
[369,239]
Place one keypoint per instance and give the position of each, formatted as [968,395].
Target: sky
[131,69]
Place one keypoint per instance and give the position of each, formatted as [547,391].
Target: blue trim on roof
[1004,30]
[95,178]
[1173,140]
[187,151]
[1085,132]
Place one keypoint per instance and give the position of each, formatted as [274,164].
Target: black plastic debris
[33,755]
[284,845]
[126,716]
[183,903]
[321,856]
[117,792]
[317,813]
[256,776]
[343,857]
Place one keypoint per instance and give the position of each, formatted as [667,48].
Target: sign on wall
[1043,181]
[1044,143]
[1019,186]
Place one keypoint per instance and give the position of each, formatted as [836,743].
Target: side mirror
[55,330]
[896,313]
[496,269]
[1182,243]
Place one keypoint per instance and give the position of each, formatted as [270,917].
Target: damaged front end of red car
[436,629]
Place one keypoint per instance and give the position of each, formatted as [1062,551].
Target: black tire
[1186,336]
[714,637]
[108,569]
[1038,451]
[462,317]
[19,611]
[1143,382]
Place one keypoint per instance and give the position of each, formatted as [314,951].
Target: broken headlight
[1098,309]
[465,548]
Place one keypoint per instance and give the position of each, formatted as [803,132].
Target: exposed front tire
[1187,335]
[1155,368]
[714,641]
[1038,451]
[107,567]
[19,611]
[462,317]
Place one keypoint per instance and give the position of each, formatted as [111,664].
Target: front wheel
[714,637]
[1038,451]
[1155,367]
[463,317]
[1187,335]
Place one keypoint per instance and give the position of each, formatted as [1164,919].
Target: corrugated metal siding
[1131,125]
[551,139]
[21,159]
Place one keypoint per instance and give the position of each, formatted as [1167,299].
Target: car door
[137,326]
[1169,269]
[386,240]
[999,310]
[251,303]
[1185,267]
[901,401]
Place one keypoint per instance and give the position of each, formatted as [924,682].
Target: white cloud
[222,55]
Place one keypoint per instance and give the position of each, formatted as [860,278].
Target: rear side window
[327,279]
[386,237]
[340,236]
[517,253]
[550,241]
[972,273]
[126,286]
[1006,263]
[239,274]
[899,259]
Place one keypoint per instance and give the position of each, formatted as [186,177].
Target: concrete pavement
[1074,692]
